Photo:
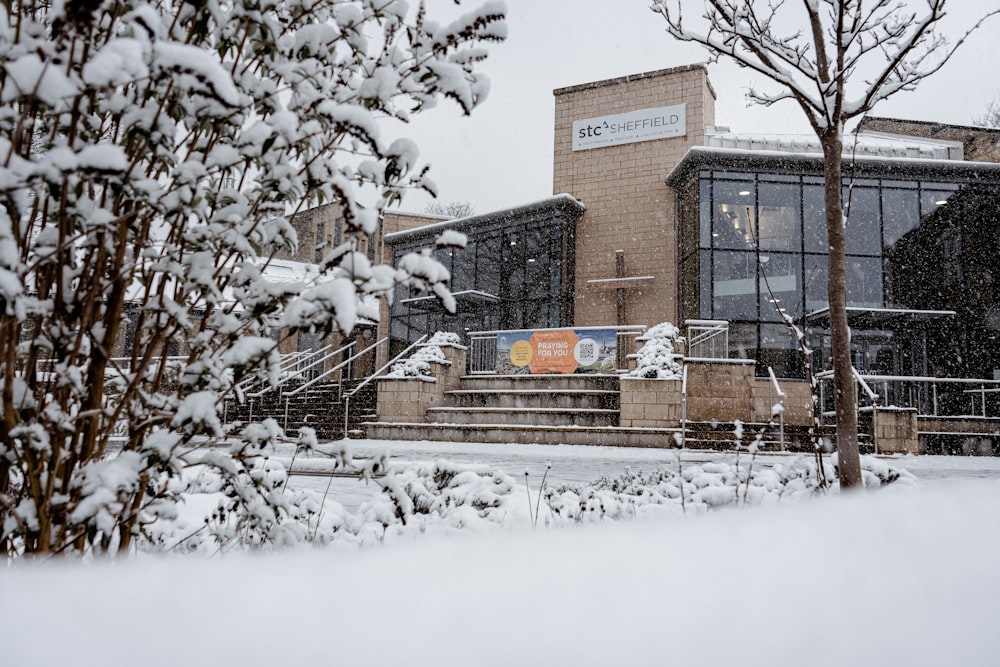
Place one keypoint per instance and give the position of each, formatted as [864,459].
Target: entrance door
[874,353]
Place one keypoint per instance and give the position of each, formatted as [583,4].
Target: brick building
[660,215]
[667,217]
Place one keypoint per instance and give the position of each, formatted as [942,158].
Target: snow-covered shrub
[452,494]
[261,512]
[446,339]
[252,508]
[418,364]
[706,486]
[656,359]
[150,155]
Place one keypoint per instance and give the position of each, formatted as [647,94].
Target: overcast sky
[501,156]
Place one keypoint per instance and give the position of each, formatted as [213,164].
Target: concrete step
[527,416]
[546,435]
[609,436]
[540,382]
[600,399]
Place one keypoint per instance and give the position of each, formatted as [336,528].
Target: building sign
[629,128]
[562,351]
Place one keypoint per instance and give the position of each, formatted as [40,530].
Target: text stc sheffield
[629,126]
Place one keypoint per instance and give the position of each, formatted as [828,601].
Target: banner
[561,351]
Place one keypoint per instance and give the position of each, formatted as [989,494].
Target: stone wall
[650,403]
[798,401]
[896,431]
[979,144]
[718,390]
[406,400]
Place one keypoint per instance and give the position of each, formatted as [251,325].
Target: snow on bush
[446,339]
[150,157]
[418,364]
[706,486]
[254,509]
[656,359]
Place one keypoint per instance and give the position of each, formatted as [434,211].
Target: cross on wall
[621,284]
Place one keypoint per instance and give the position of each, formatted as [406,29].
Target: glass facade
[516,272]
[753,246]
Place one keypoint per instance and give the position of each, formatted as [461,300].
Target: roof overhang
[879,318]
[749,161]
[466,301]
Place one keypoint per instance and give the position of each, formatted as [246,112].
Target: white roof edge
[446,224]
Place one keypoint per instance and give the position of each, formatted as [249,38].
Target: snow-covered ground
[902,576]
[580,464]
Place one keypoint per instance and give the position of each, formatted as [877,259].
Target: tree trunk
[845,400]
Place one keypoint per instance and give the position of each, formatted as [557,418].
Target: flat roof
[867,166]
[563,201]
[618,80]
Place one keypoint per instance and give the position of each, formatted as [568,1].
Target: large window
[760,252]
[512,274]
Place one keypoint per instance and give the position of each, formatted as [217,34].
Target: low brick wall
[718,390]
[650,403]
[896,431]
[798,401]
[407,399]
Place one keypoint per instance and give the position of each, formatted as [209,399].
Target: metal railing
[707,339]
[775,389]
[482,356]
[335,369]
[309,364]
[930,396]
[347,396]
[684,405]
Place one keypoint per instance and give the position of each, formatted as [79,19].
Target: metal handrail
[623,328]
[287,361]
[872,396]
[299,372]
[702,332]
[347,396]
[684,404]
[375,375]
[329,372]
[781,402]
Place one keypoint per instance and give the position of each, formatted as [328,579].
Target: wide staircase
[561,409]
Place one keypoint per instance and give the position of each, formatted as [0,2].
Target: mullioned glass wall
[515,272]
[754,246]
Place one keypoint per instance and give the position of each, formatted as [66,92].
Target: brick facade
[406,400]
[980,144]
[628,205]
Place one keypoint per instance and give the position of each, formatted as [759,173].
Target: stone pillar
[406,400]
[629,208]
[650,403]
[896,431]
[720,389]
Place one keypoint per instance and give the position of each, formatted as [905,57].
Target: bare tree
[836,59]
[991,115]
[455,209]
